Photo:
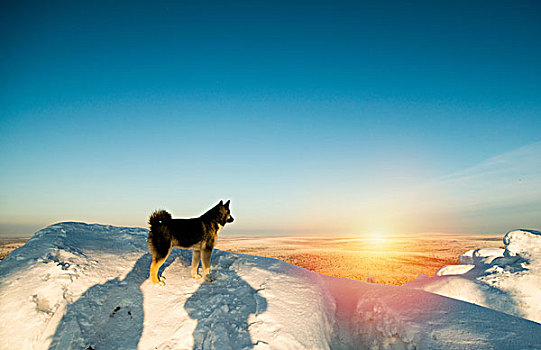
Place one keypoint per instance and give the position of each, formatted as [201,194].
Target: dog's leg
[206,255]
[196,255]
[155,267]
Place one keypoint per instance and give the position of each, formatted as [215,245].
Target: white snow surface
[81,286]
[507,280]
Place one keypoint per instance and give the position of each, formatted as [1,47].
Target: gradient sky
[311,116]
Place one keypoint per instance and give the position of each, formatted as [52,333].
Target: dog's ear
[221,203]
[227,203]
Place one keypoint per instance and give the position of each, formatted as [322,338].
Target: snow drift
[508,280]
[80,286]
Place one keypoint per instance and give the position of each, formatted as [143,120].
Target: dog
[200,234]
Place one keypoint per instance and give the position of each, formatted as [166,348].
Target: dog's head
[223,213]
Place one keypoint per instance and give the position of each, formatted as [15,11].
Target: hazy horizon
[231,233]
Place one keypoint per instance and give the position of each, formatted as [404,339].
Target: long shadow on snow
[106,316]
[223,307]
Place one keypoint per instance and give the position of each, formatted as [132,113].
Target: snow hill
[80,286]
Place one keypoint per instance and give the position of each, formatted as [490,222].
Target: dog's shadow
[111,315]
[223,308]
[106,315]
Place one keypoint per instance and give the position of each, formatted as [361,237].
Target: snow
[454,270]
[523,243]
[467,257]
[80,286]
[507,280]
[482,255]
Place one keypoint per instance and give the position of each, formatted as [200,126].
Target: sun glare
[378,238]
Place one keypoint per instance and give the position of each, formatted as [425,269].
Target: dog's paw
[197,276]
[208,278]
[159,284]
[161,278]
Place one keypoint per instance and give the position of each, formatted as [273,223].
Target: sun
[378,238]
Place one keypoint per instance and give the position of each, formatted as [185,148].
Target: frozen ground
[79,286]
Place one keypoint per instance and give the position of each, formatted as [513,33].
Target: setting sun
[378,238]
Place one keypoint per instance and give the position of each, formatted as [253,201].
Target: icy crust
[79,286]
[508,280]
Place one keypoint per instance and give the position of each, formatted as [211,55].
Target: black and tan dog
[200,234]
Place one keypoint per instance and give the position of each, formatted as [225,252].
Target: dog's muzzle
[230,219]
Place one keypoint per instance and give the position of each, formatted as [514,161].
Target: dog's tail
[159,217]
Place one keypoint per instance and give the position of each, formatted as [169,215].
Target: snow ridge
[81,286]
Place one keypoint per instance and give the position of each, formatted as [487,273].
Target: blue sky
[319,117]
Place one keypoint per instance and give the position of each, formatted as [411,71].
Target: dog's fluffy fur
[198,233]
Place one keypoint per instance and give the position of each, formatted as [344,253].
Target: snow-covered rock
[480,256]
[486,255]
[454,270]
[80,286]
[523,243]
[508,280]
[467,257]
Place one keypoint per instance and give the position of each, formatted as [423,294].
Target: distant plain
[390,260]
[7,245]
